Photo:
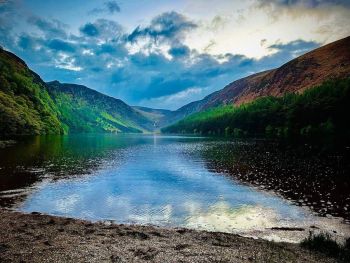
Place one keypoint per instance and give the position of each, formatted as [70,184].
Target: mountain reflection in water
[170,181]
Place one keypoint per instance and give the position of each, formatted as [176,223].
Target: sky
[165,53]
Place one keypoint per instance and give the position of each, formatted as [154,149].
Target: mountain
[25,104]
[86,110]
[331,61]
[29,106]
[307,98]
[158,116]
[319,115]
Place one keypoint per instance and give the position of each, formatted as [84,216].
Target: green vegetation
[25,105]
[84,110]
[320,113]
[29,106]
[324,243]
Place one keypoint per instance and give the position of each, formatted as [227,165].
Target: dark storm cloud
[297,47]
[206,71]
[179,51]
[51,28]
[111,50]
[169,25]
[161,77]
[26,42]
[166,85]
[110,7]
[102,28]
[89,29]
[6,6]
[8,20]
[99,56]
[60,45]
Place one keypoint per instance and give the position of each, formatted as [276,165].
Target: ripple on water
[174,181]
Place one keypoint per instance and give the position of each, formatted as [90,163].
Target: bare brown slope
[306,71]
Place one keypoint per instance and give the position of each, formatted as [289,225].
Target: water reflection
[222,217]
[317,180]
[34,159]
[160,180]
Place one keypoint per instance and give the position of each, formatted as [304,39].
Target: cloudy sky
[165,53]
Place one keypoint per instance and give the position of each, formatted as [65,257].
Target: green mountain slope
[318,113]
[29,106]
[86,110]
[25,105]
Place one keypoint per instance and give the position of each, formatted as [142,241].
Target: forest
[25,105]
[319,114]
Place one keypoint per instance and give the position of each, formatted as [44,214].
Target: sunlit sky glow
[163,53]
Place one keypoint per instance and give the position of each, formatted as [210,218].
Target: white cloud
[64,61]
[185,96]
[172,55]
[237,28]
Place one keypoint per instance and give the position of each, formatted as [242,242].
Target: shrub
[323,243]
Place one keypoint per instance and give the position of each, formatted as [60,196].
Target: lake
[252,188]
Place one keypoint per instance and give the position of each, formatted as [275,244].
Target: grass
[323,243]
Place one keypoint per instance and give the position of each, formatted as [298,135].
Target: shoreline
[37,237]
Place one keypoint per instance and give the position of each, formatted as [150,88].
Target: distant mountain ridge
[86,110]
[159,117]
[331,61]
[29,106]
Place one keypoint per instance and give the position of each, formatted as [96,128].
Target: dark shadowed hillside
[25,105]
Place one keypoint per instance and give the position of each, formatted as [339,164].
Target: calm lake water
[175,181]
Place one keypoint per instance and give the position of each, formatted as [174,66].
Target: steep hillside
[86,110]
[157,116]
[319,114]
[25,105]
[311,69]
[29,106]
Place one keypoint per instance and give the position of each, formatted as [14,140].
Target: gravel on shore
[8,143]
[43,238]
